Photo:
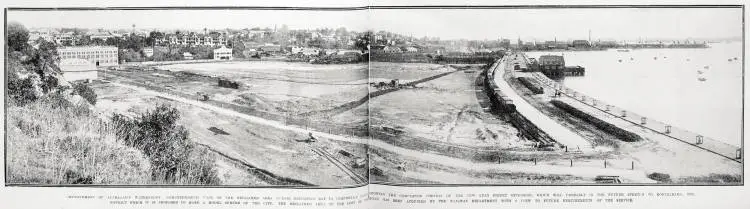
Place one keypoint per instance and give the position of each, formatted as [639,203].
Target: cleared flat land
[270,86]
[445,110]
[244,146]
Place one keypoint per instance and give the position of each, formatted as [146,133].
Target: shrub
[86,92]
[661,177]
[58,146]
[174,158]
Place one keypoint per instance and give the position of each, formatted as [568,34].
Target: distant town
[108,47]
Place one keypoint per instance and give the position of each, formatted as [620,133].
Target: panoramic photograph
[540,96]
[185,97]
[347,97]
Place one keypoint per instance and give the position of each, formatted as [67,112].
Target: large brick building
[552,65]
[96,55]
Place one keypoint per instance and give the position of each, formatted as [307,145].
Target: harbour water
[694,89]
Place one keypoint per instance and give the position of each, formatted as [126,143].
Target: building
[75,69]
[65,39]
[97,55]
[411,49]
[271,49]
[392,49]
[223,53]
[580,44]
[187,56]
[552,65]
[148,51]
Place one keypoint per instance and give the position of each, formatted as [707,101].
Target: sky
[604,23]
[192,19]
[474,24]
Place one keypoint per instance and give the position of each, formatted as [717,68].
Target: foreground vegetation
[54,136]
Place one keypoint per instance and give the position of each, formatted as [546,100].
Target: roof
[551,58]
[223,49]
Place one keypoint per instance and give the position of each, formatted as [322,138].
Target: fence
[697,140]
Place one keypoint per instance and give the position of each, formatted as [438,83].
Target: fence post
[643,120]
[605,163]
[699,139]
[571,162]
[668,129]
[624,113]
[593,102]
[606,108]
[632,165]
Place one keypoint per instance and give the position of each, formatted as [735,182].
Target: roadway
[555,130]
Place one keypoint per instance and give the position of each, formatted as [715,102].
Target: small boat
[729,60]
[688,59]
[705,67]
[619,60]
[623,50]
[655,58]
[735,58]
[701,79]
[700,72]
[631,58]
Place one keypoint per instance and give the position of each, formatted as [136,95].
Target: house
[148,51]
[271,49]
[580,44]
[223,53]
[74,69]
[97,55]
[65,39]
[411,49]
[552,65]
[187,56]
[392,49]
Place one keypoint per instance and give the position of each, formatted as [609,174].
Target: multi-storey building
[97,55]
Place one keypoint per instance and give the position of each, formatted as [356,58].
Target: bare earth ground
[270,86]
[445,110]
[260,146]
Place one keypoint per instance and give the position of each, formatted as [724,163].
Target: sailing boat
[701,79]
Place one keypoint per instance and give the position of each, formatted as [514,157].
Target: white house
[148,51]
[223,53]
[77,70]
[187,56]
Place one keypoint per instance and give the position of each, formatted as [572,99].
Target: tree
[18,36]
[363,41]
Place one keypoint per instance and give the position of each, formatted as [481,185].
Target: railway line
[328,156]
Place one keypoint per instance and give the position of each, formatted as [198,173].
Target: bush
[86,92]
[59,146]
[660,177]
[174,158]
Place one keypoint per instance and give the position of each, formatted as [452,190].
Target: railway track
[328,156]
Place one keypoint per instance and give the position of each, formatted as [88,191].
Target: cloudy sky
[610,23]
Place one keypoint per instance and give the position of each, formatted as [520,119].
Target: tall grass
[56,141]
[66,145]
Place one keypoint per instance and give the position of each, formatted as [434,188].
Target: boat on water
[705,67]
[701,79]
[623,50]
[700,72]
[620,60]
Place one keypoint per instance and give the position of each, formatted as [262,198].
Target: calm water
[667,88]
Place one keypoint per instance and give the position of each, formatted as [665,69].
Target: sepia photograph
[250,97]
[556,96]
